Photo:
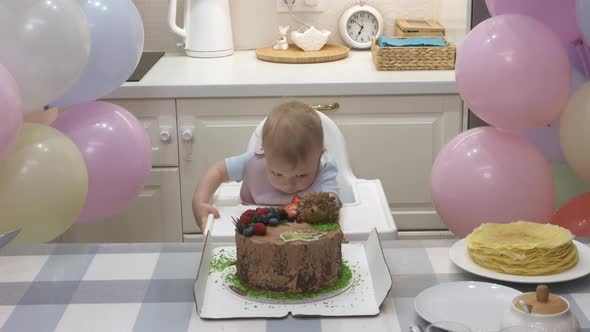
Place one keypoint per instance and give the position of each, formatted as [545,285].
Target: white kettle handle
[172,19]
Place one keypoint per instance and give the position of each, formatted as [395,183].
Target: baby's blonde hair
[293,131]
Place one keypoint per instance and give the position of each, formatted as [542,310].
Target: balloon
[546,139]
[117,152]
[583,18]
[558,15]
[567,184]
[11,116]
[578,79]
[513,73]
[117,42]
[576,52]
[575,215]
[499,73]
[45,45]
[574,134]
[43,184]
[488,175]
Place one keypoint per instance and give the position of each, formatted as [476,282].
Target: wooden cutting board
[296,55]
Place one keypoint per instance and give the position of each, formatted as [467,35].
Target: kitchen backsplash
[255,22]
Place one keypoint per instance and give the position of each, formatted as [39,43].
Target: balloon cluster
[524,71]
[95,157]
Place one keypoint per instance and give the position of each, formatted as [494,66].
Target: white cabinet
[220,128]
[396,139]
[391,138]
[154,216]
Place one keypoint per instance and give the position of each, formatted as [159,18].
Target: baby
[291,161]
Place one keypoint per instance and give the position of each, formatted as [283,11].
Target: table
[149,287]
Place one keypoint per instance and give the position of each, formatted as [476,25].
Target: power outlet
[300,5]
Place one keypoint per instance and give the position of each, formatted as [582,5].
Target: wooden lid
[409,25]
[542,302]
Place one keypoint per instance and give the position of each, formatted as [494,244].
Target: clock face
[362,26]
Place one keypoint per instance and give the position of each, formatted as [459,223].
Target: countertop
[149,287]
[242,75]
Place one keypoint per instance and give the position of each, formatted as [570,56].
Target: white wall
[455,16]
[255,22]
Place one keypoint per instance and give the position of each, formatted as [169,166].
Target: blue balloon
[116,44]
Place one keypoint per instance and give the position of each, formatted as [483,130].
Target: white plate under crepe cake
[522,252]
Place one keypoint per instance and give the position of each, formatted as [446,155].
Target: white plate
[459,256]
[478,305]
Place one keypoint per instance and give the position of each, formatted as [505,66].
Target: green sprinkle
[326,227]
[221,262]
[342,282]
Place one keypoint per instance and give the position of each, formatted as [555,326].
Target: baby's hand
[203,211]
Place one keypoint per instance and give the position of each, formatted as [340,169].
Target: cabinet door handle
[326,107]
[187,137]
[165,135]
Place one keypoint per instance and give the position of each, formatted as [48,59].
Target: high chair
[364,205]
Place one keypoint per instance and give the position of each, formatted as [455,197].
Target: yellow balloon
[574,132]
[43,184]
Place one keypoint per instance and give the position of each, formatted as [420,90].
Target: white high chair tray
[371,282]
[357,220]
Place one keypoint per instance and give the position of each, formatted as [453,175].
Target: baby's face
[290,178]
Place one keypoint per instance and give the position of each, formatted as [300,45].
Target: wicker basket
[414,58]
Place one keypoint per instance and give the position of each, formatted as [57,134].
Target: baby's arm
[215,175]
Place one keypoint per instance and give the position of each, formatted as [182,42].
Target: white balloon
[45,46]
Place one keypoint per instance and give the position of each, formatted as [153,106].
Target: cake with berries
[291,250]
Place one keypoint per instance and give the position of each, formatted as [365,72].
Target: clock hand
[356,22]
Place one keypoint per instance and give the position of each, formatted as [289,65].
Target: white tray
[371,283]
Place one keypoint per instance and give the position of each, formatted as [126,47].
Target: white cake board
[371,284]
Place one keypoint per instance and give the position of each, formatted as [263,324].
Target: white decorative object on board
[281,43]
[310,40]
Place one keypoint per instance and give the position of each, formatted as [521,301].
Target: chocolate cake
[278,251]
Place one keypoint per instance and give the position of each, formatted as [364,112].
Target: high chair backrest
[336,146]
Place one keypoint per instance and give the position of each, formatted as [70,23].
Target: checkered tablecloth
[149,287]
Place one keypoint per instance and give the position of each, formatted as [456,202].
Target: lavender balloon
[117,152]
[546,139]
[583,18]
[558,15]
[11,115]
[117,42]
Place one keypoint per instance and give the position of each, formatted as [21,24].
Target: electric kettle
[207,30]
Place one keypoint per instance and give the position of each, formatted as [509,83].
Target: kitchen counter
[242,75]
[149,287]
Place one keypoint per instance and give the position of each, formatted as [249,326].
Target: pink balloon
[489,175]
[117,152]
[11,115]
[513,73]
[558,15]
